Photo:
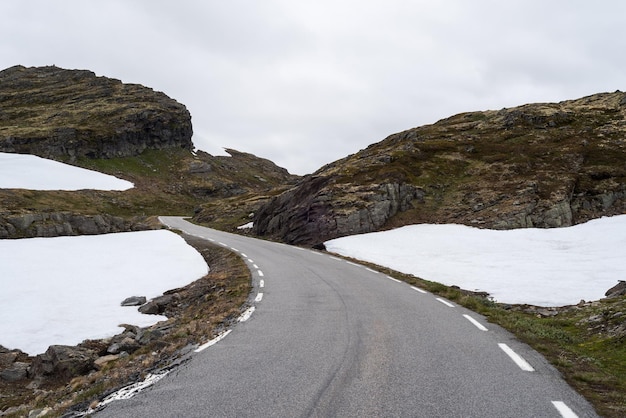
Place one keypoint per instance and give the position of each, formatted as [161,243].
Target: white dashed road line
[475,322]
[394,279]
[259,297]
[261,283]
[260,273]
[417,289]
[523,364]
[564,410]
[373,271]
[445,302]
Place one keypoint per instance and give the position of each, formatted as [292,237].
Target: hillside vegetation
[126,130]
[537,165]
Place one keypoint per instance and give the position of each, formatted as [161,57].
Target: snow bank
[544,267]
[21,171]
[67,289]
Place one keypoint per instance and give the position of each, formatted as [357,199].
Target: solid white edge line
[260,273]
[445,302]
[564,410]
[214,341]
[523,364]
[475,322]
[247,314]
[417,289]
[259,297]
[261,283]
[129,391]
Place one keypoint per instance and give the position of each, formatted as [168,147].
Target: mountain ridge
[536,165]
[66,114]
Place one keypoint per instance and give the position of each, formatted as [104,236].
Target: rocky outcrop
[316,211]
[54,224]
[64,114]
[539,165]
[62,362]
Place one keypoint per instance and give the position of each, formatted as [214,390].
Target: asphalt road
[328,338]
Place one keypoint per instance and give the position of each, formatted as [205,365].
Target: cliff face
[537,165]
[64,114]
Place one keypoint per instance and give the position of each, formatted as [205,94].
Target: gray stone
[134,301]
[147,336]
[104,360]
[14,372]
[128,345]
[617,290]
[63,362]
[39,412]
[150,308]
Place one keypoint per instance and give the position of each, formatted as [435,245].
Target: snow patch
[543,267]
[249,225]
[22,171]
[66,289]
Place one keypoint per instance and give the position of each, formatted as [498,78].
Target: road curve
[328,338]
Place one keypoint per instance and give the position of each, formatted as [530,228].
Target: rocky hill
[537,165]
[65,114]
[126,130]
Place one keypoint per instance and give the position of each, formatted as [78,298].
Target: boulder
[617,290]
[15,371]
[158,305]
[63,362]
[127,344]
[134,301]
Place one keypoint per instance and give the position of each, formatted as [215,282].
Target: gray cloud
[305,83]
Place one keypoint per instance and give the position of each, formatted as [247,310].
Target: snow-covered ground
[544,267]
[22,171]
[67,289]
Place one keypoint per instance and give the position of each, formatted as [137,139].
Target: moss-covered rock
[66,114]
[537,165]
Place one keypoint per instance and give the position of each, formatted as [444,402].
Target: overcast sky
[304,83]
